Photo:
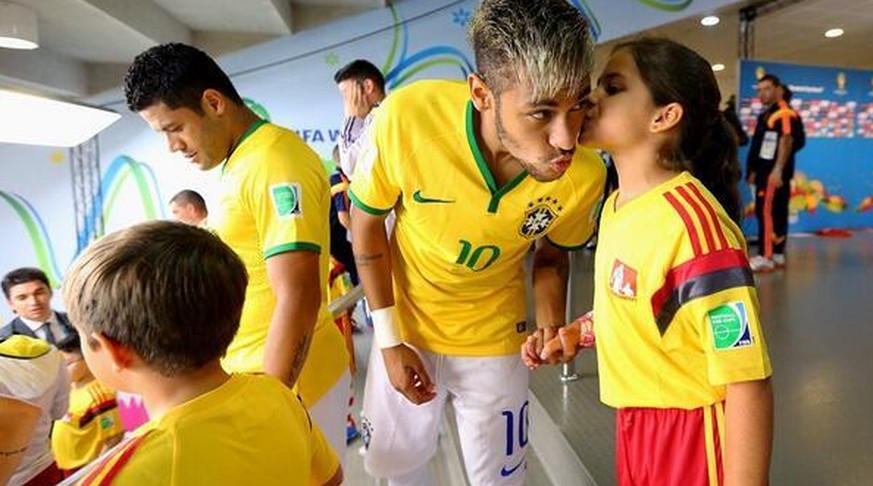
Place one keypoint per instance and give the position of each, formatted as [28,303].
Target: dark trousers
[778,214]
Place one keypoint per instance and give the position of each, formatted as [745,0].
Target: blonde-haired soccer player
[156,306]
[477,173]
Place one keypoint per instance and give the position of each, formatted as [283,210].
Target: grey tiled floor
[818,319]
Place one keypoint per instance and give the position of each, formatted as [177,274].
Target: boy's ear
[121,356]
[667,117]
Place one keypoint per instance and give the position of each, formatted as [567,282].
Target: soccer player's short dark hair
[171,292]
[177,75]
[187,196]
[772,78]
[23,275]
[360,70]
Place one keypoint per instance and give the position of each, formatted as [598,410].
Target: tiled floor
[818,318]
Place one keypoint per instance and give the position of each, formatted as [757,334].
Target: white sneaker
[779,260]
[761,264]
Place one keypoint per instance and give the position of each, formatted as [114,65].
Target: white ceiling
[791,34]
[85,44]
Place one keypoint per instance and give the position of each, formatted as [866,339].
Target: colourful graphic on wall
[122,168]
[807,194]
[593,24]
[36,231]
[667,5]
[400,66]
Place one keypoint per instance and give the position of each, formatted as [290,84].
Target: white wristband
[385,328]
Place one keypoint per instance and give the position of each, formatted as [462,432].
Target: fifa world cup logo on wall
[841,83]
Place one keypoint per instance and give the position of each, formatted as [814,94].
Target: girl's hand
[571,338]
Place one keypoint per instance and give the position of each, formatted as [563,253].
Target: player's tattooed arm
[367,259]
[373,257]
[300,356]
[295,281]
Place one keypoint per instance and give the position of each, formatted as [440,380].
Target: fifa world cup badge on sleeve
[730,326]
[286,199]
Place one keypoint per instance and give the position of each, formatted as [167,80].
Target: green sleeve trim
[569,248]
[367,209]
[292,247]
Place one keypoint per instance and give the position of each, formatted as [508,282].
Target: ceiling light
[709,21]
[35,120]
[18,27]
[831,33]
[718,67]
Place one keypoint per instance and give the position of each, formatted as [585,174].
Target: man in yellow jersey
[156,306]
[274,213]
[477,173]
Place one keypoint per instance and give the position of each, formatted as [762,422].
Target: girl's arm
[748,433]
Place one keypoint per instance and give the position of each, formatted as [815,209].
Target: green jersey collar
[496,193]
[250,130]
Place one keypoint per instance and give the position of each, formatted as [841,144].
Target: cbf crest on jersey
[539,216]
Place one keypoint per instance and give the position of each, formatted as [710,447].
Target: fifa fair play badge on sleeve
[730,326]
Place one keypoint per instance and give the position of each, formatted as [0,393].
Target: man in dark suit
[29,295]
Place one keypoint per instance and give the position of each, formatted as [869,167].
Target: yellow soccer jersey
[459,241]
[275,198]
[91,421]
[250,430]
[675,306]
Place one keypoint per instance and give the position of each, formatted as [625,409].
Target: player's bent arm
[17,422]
[295,281]
[551,267]
[404,367]
[748,433]
[370,246]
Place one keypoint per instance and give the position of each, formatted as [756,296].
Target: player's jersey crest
[623,280]
[539,217]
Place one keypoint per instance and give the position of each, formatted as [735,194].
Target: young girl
[681,353]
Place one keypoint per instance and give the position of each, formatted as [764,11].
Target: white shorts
[330,413]
[490,400]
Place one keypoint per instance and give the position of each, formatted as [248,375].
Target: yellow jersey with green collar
[459,243]
[675,307]
[249,430]
[275,198]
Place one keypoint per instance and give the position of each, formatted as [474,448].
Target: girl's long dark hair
[707,145]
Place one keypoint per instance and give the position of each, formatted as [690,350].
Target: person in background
[29,294]
[362,87]
[92,424]
[33,382]
[189,207]
[770,167]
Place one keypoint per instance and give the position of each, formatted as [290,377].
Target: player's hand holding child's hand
[558,345]
[407,374]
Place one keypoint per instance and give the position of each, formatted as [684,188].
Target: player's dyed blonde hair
[544,42]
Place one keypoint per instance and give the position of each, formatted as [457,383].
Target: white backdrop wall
[292,80]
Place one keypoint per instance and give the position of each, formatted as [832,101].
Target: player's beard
[513,147]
